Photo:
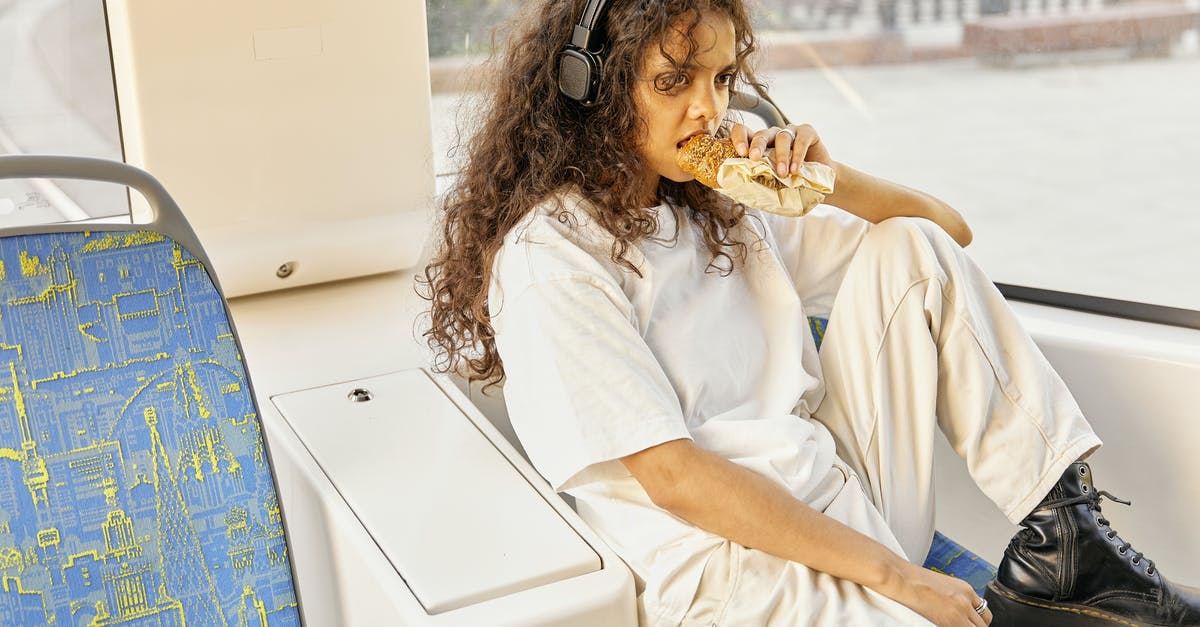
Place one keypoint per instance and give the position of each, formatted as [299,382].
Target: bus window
[56,97]
[1063,130]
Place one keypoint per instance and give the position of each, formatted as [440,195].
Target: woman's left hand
[794,144]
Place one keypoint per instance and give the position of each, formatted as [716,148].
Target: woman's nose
[705,102]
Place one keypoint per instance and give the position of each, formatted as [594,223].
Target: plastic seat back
[135,482]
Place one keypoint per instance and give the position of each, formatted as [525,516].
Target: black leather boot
[1068,567]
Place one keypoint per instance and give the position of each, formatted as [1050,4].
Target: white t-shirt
[602,363]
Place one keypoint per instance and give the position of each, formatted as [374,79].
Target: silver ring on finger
[982,607]
[789,132]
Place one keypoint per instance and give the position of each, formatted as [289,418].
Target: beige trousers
[919,339]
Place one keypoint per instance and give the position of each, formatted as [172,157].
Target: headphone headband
[589,23]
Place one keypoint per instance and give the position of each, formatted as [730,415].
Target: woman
[657,363]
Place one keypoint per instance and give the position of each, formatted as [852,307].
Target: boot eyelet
[1110,535]
[1082,470]
[1085,487]
[1122,550]
[1137,560]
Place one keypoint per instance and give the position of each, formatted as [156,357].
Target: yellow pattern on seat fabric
[135,486]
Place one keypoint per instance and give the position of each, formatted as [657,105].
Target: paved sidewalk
[1079,176]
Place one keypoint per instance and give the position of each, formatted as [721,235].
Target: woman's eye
[669,82]
[725,80]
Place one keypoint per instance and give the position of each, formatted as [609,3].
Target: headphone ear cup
[579,75]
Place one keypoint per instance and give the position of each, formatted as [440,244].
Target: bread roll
[702,155]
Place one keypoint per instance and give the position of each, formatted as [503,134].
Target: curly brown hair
[534,143]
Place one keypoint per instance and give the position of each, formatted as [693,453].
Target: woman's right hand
[941,599]
[794,145]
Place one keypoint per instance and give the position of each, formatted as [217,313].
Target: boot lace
[1092,498]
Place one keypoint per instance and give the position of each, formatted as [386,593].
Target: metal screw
[359,395]
[285,270]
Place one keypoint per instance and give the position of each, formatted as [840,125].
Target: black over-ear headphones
[579,63]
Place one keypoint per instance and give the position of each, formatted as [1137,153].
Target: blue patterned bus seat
[135,487]
[945,555]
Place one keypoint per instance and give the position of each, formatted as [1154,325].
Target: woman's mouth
[679,144]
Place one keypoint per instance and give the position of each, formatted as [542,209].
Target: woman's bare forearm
[874,199]
[736,503]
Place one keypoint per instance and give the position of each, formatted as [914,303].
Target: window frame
[1131,310]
